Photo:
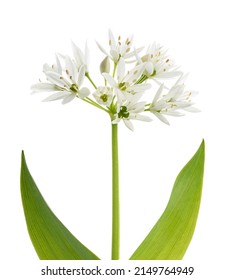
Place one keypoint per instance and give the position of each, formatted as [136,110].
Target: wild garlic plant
[130,76]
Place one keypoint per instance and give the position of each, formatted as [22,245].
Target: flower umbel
[80,57]
[157,64]
[119,48]
[125,88]
[65,83]
[174,102]
[127,82]
[128,108]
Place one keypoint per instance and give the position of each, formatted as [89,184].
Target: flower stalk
[91,81]
[115,195]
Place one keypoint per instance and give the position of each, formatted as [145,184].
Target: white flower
[54,68]
[119,48]
[104,95]
[80,57]
[129,109]
[157,64]
[173,102]
[127,82]
[64,83]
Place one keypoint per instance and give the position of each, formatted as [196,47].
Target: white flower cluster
[124,87]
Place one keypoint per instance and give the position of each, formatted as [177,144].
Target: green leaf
[50,238]
[171,235]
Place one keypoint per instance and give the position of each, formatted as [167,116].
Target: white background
[68,147]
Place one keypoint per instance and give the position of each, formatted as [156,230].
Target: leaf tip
[202,146]
[22,157]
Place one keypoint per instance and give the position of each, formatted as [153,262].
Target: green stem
[115,195]
[89,78]
[90,101]
[114,68]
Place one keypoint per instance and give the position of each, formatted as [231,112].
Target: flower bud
[105,65]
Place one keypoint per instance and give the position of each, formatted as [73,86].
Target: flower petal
[120,70]
[109,79]
[78,55]
[129,98]
[115,55]
[192,109]
[168,75]
[133,53]
[137,107]
[138,58]
[56,79]
[149,67]
[161,117]
[69,98]
[71,69]
[83,92]
[139,87]
[86,56]
[173,113]
[102,49]
[112,41]
[81,75]
[116,121]
[182,79]
[58,65]
[134,74]
[158,93]
[56,96]
[128,124]
[141,118]
[46,67]
[43,87]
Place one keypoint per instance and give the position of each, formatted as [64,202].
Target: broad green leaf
[51,239]
[171,235]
